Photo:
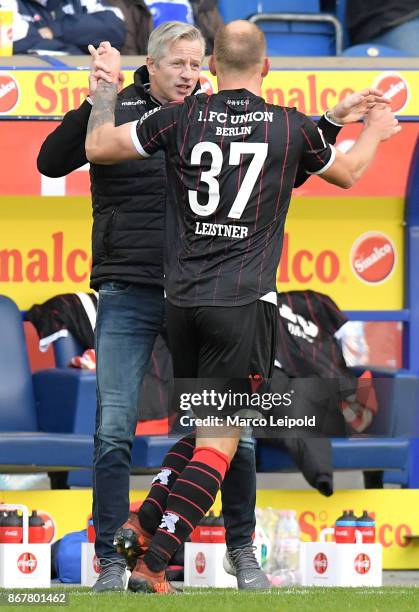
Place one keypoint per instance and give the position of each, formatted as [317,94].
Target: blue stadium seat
[44,452]
[65,349]
[340,13]
[294,37]
[245,8]
[371,50]
[289,6]
[42,428]
[348,454]
[291,28]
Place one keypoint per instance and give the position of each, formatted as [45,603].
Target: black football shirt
[306,343]
[231,163]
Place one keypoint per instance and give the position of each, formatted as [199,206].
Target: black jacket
[128,198]
[366,20]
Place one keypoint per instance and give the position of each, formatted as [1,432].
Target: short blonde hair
[168,33]
[239,46]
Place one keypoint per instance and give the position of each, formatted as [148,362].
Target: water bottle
[288,549]
[265,536]
[36,528]
[3,515]
[345,527]
[280,536]
[292,548]
[366,525]
[206,527]
[196,533]
[12,528]
[263,547]
[352,518]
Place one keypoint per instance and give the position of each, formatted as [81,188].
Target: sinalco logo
[200,562]
[206,85]
[373,258]
[395,87]
[320,563]
[27,563]
[362,563]
[9,92]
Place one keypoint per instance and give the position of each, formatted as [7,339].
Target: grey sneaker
[241,562]
[112,577]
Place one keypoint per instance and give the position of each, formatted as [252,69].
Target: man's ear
[211,65]
[266,66]
[150,63]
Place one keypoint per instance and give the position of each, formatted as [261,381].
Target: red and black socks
[151,511]
[192,495]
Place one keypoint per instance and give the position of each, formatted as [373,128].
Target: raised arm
[350,110]
[63,150]
[347,168]
[105,143]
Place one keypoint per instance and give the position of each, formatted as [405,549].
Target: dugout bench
[47,419]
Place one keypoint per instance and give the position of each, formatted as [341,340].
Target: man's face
[177,73]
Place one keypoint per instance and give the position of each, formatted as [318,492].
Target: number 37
[259,151]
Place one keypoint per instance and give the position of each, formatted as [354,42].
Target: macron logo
[133,102]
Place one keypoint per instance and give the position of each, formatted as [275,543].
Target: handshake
[106,67]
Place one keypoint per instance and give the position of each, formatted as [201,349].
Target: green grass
[394,599]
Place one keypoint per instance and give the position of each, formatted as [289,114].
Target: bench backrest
[17,401]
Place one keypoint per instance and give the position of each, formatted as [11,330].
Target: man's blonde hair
[168,33]
[239,46]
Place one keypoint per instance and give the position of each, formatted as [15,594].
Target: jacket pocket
[107,234]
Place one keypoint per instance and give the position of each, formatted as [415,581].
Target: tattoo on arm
[103,110]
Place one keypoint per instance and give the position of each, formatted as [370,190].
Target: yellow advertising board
[51,93]
[349,246]
[350,249]
[314,91]
[395,513]
[44,247]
